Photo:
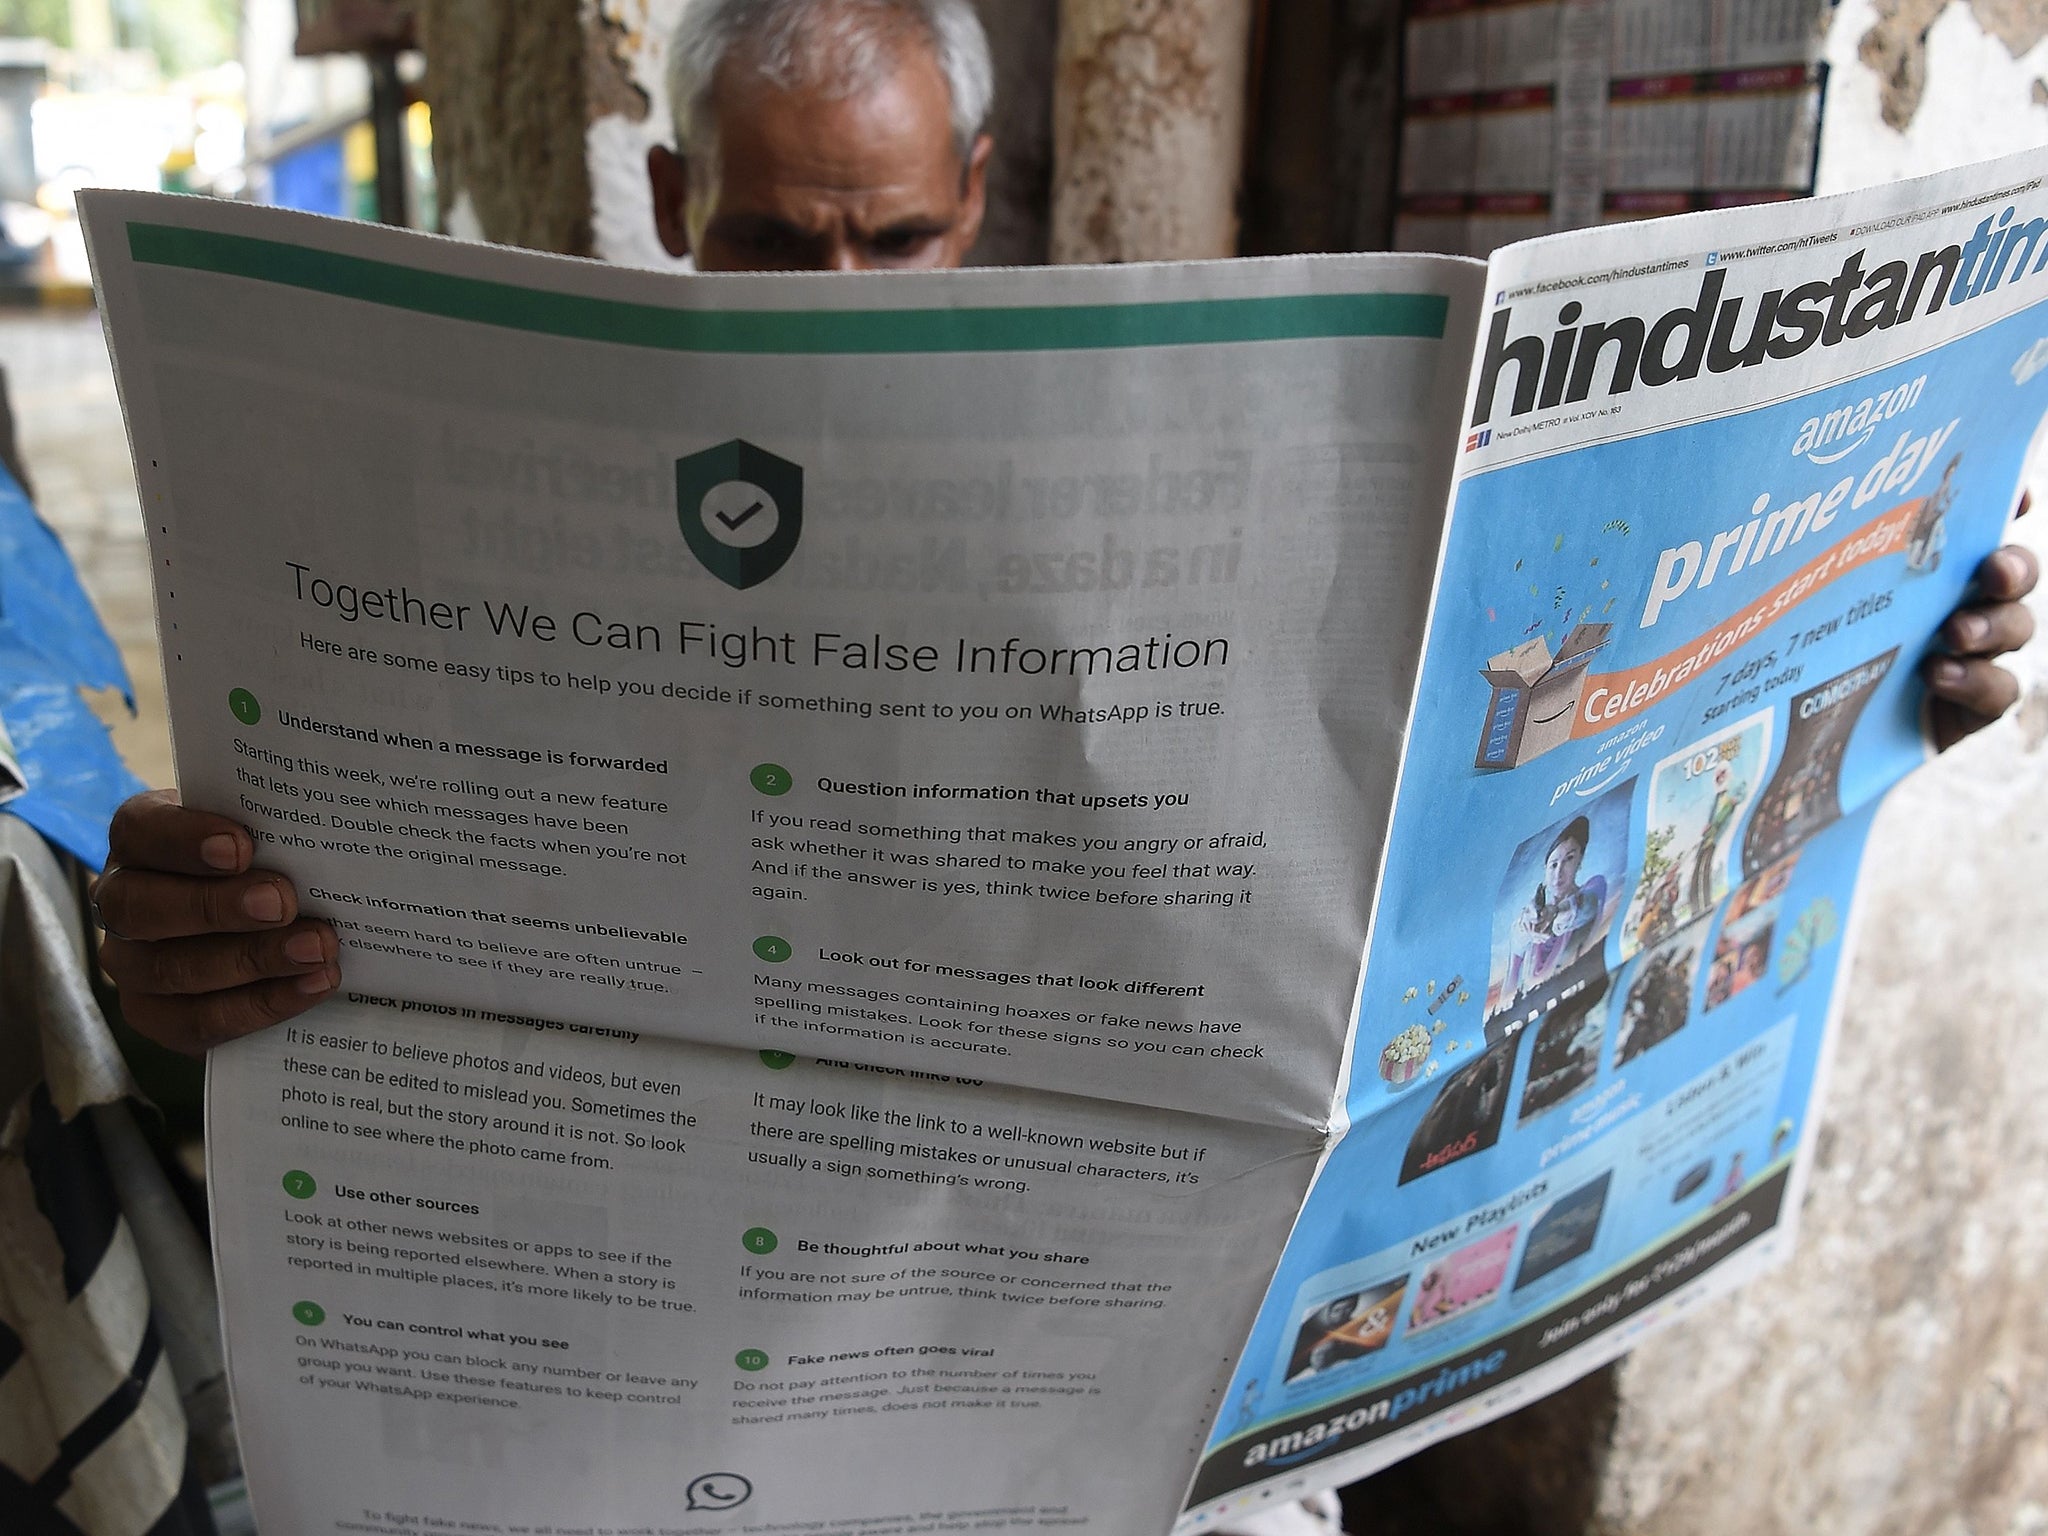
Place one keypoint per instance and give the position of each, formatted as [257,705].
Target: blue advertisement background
[1536,549]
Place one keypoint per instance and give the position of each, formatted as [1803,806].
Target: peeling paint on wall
[627,45]
[1895,46]
[609,44]
[1954,81]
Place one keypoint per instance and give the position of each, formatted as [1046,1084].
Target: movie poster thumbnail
[1742,948]
[1462,1282]
[1805,793]
[1696,796]
[1656,1000]
[1558,898]
[1346,1328]
[1465,1116]
[1565,1058]
[1565,1232]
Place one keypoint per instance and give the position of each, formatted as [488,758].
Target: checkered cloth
[94,1437]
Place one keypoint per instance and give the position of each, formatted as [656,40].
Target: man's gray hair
[846,47]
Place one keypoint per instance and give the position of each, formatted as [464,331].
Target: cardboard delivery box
[1535,696]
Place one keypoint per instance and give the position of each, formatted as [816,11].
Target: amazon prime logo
[1826,439]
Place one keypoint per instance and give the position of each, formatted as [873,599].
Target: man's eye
[900,244]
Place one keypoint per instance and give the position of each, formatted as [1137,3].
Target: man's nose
[845,256]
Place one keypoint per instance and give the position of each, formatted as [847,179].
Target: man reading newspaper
[811,134]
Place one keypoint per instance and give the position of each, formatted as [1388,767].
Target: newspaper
[1721,479]
[964,906]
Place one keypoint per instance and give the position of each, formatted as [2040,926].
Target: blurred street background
[203,96]
[179,95]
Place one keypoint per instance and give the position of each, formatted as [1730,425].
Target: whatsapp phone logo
[741,509]
[717,1490]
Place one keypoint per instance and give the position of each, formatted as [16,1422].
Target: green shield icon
[741,509]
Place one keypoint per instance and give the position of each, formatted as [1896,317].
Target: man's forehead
[895,130]
[838,47]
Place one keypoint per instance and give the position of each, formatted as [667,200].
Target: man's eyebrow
[922,227]
[757,226]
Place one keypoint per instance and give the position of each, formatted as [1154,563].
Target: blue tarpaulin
[51,645]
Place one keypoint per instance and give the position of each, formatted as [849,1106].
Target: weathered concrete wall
[1894,46]
[1920,85]
[1893,1381]
[1148,128]
[633,52]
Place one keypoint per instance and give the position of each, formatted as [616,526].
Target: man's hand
[1967,688]
[202,947]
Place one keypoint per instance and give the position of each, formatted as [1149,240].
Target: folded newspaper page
[851,807]
[1720,480]
[855,808]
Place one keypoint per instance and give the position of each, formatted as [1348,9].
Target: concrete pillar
[508,91]
[1148,128]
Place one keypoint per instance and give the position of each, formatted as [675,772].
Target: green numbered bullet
[299,1185]
[759,1240]
[775,1061]
[768,947]
[751,1360]
[772,779]
[242,703]
[309,1313]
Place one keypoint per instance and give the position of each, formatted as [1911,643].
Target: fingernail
[1947,674]
[221,851]
[323,980]
[304,948]
[265,903]
[1974,629]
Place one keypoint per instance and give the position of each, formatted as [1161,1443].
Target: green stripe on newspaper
[1069,327]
